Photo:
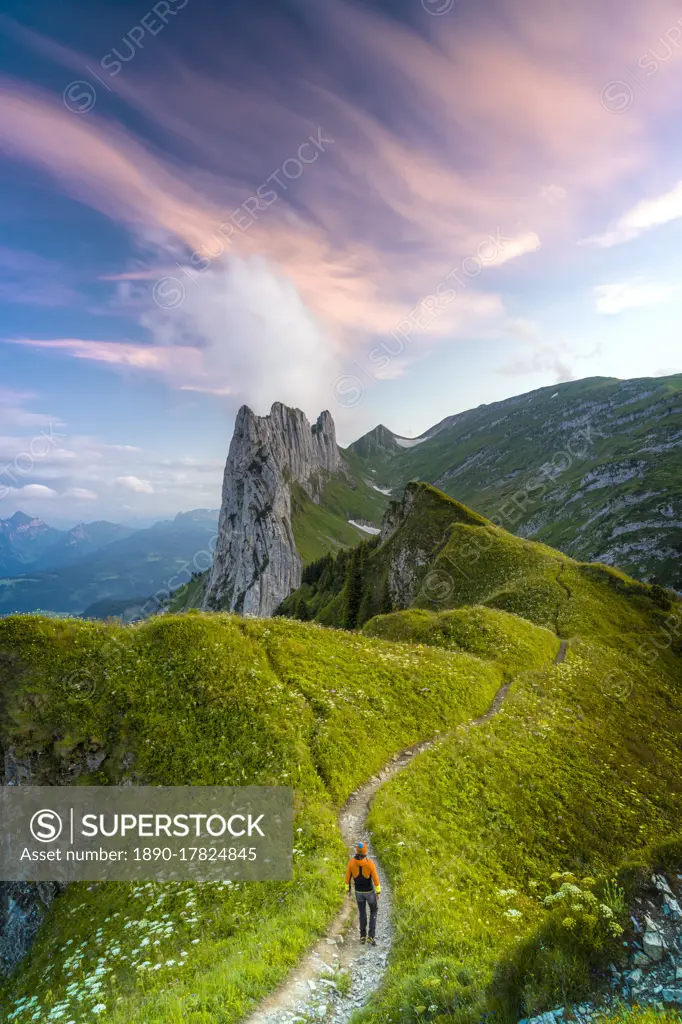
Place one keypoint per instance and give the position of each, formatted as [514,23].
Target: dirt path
[339,975]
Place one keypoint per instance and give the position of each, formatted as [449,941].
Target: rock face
[256,565]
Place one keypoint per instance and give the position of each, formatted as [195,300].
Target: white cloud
[81,493]
[33,491]
[614,298]
[257,340]
[133,483]
[643,216]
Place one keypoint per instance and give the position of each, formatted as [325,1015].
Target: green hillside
[578,773]
[325,527]
[592,467]
[204,700]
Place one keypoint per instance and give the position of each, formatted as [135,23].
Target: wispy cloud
[31,280]
[489,124]
[614,298]
[642,217]
[14,411]
[176,364]
[369,228]
[537,354]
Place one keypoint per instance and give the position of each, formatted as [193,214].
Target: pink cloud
[468,128]
[140,357]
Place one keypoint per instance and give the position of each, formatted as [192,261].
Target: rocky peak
[20,519]
[376,442]
[256,564]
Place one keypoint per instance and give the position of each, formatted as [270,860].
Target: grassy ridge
[200,700]
[579,772]
[484,632]
[441,555]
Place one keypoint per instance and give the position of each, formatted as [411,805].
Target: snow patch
[374,530]
[409,442]
[382,490]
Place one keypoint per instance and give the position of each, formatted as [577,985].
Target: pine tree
[386,602]
[354,587]
[367,608]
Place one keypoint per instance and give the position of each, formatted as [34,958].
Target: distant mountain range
[67,572]
[29,542]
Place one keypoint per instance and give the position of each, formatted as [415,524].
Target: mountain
[80,542]
[24,540]
[377,444]
[29,542]
[434,552]
[289,495]
[592,467]
[514,732]
[154,562]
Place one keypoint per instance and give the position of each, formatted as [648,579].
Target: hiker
[367,888]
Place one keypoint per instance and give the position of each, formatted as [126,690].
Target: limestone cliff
[256,565]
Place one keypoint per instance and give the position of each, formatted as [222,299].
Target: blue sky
[393,211]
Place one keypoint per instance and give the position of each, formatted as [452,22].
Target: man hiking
[367,888]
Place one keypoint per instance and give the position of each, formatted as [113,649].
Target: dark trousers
[367,899]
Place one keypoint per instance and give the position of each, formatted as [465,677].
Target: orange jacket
[363,872]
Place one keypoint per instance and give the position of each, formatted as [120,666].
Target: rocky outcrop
[23,906]
[652,973]
[256,565]
[397,512]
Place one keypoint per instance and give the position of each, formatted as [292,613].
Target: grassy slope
[643,1015]
[580,769]
[483,632]
[189,596]
[319,529]
[212,700]
[491,455]
[579,772]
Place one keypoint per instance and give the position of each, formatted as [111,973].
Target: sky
[392,210]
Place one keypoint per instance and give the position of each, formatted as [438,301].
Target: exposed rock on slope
[256,564]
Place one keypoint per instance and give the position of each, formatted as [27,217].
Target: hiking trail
[310,992]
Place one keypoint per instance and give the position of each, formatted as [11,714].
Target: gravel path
[339,975]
